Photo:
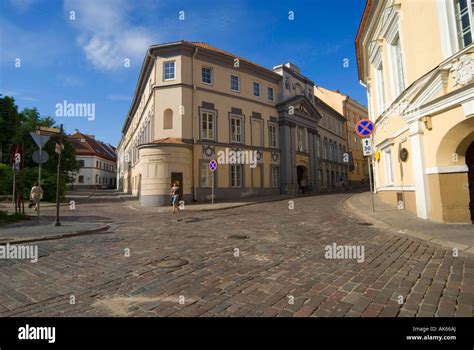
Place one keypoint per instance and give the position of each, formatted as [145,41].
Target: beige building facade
[352,111]
[417,60]
[194,103]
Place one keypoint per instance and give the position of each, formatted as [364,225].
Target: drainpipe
[344,113]
[192,122]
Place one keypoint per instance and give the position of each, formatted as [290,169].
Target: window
[168,119]
[206,75]
[388,168]
[398,72]
[274,176]
[272,134]
[81,179]
[463,12]
[169,68]
[206,176]
[207,126]
[301,139]
[256,89]
[235,83]
[97,164]
[270,94]
[236,129]
[81,163]
[236,175]
[380,89]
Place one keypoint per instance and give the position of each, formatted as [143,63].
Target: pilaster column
[419,174]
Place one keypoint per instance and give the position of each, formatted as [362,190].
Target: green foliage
[6,178]
[15,128]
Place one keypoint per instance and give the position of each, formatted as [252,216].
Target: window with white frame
[463,13]
[236,175]
[206,176]
[256,89]
[301,139]
[397,66]
[274,176]
[236,129]
[208,126]
[206,75]
[380,88]
[270,94]
[388,168]
[169,70]
[235,83]
[273,135]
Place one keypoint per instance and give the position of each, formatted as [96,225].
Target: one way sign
[367,146]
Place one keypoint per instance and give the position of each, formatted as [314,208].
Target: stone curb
[55,237]
[348,206]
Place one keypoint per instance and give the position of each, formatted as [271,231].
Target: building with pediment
[417,60]
[194,101]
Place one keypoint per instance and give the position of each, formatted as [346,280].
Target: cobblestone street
[257,260]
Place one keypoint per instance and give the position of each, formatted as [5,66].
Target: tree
[9,121]
[18,127]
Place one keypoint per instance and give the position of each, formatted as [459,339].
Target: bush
[6,179]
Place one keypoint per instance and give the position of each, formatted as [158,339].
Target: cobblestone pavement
[258,260]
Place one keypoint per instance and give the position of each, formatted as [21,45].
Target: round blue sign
[364,128]
[213,165]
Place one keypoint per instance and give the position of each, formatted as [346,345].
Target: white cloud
[106,33]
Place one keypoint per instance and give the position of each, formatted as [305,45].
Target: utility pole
[59,149]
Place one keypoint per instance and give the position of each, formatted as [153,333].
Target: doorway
[470,167]
[302,174]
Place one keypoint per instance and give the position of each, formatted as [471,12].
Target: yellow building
[194,103]
[353,111]
[416,58]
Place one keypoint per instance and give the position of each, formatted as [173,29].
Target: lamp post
[59,148]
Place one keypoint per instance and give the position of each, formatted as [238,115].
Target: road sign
[58,149]
[40,139]
[44,130]
[364,128]
[367,147]
[40,158]
[213,165]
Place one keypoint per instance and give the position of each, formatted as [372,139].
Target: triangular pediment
[300,105]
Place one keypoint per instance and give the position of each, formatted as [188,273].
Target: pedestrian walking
[174,196]
[36,194]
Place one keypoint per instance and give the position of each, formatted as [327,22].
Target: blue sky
[81,60]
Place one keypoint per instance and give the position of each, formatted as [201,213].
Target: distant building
[352,111]
[97,162]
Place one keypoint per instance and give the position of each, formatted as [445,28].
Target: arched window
[168,119]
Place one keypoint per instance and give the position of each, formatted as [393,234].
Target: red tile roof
[86,145]
[206,46]
[168,140]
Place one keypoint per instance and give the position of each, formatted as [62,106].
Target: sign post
[58,149]
[364,128]
[212,167]
[40,157]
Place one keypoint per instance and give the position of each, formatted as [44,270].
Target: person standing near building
[302,185]
[36,194]
[174,196]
